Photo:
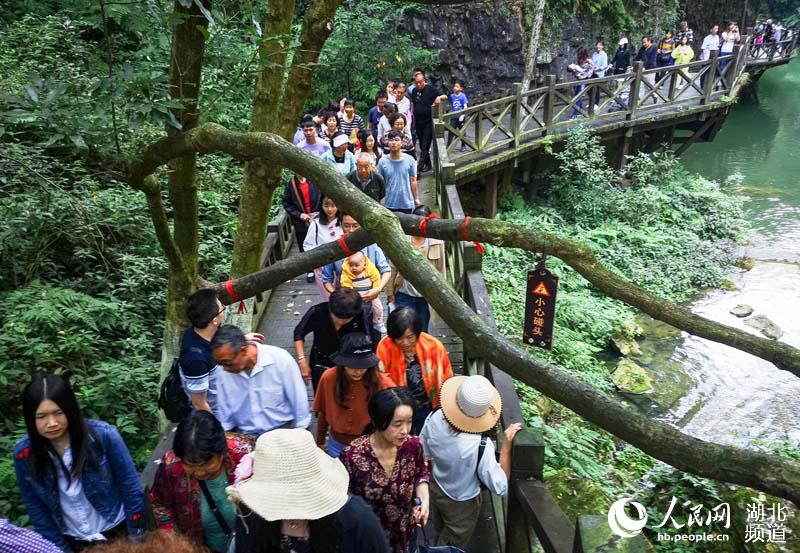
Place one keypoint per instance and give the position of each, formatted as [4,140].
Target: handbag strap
[214,509]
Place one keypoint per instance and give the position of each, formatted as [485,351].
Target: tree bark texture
[769,473]
[533,46]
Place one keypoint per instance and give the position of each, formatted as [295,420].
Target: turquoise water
[760,141]
[712,391]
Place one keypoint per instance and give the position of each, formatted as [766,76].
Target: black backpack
[172,398]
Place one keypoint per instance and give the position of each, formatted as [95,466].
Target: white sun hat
[622,41]
[470,403]
[340,140]
[292,478]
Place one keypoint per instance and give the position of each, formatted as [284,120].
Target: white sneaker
[596,107]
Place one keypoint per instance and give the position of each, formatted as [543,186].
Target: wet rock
[741,310]
[631,378]
[765,326]
[729,285]
[746,263]
[625,344]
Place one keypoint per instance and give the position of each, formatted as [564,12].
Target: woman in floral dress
[387,467]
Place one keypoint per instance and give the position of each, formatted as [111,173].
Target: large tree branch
[158,215]
[768,473]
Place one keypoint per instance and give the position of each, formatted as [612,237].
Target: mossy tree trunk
[185,71]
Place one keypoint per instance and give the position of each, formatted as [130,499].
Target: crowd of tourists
[674,47]
[383,447]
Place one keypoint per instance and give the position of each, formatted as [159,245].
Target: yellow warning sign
[541,290]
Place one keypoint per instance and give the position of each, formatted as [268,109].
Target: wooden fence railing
[501,125]
[529,514]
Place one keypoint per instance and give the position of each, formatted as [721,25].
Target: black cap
[355,351]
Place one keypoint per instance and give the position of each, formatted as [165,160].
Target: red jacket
[176,497]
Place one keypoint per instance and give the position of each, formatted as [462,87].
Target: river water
[712,391]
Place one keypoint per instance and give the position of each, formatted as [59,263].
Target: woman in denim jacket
[75,475]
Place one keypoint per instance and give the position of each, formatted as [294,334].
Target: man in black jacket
[648,54]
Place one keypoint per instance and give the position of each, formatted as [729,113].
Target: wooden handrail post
[710,77]
[633,96]
[549,100]
[527,461]
[516,113]
[438,122]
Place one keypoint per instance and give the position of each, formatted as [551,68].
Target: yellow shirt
[683,54]
[370,272]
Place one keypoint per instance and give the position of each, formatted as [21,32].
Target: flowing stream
[712,391]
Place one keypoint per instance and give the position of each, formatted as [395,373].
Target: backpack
[172,398]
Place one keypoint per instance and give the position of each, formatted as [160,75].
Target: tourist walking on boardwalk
[397,121]
[622,57]
[683,53]
[648,56]
[351,122]
[415,360]
[376,112]
[188,492]
[367,144]
[458,102]
[366,179]
[424,97]
[344,391]
[361,274]
[329,322]
[387,467]
[302,201]
[295,500]
[261,387]
[324,228]
[312,143]
[340,156]
[685,31]
[401,292]
[461,459]
[710,42]
[599,66]
[582,71]
[399,171]
[330,126]
[730,37]
[75,475]
[665,48]
[332,271]
[402,103]
[197,367]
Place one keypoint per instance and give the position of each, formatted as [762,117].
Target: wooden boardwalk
[289,302]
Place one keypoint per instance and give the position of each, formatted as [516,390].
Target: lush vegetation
[669,231]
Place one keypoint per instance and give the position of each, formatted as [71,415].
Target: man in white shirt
[260,389]
[711,42]
[461,458]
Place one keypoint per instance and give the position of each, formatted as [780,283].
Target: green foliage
[668,231]
[364,48]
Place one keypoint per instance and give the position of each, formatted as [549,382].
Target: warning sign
[541,290]
[540,308]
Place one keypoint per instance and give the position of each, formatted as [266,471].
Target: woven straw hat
[292,478]
[470,403]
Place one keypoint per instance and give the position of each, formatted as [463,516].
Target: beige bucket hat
[470,403]
[292,478]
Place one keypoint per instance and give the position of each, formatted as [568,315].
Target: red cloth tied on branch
[345,248]
[423,225]
[478,245]
[234,297]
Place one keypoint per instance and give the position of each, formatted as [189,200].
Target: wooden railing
[277,244]
[500,126]
[529,514]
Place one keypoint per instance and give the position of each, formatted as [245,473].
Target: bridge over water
[500,136]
